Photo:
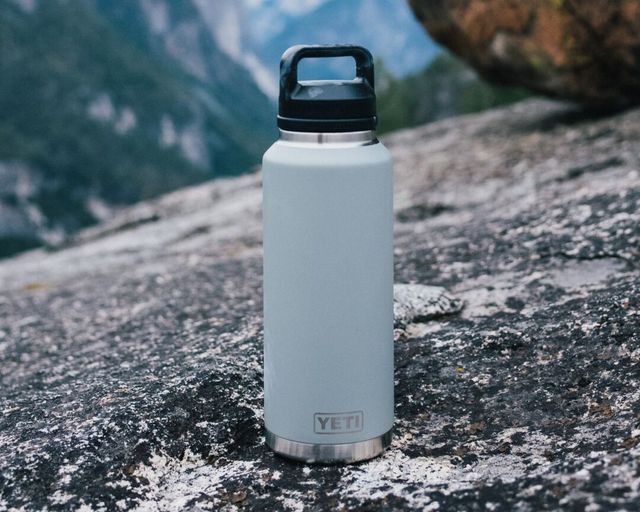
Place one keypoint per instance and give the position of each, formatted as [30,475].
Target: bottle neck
[329,139]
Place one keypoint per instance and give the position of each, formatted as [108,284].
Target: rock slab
[131,361]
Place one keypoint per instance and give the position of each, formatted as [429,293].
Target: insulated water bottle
[328,268]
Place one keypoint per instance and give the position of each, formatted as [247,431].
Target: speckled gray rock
[418,303]
[131,360]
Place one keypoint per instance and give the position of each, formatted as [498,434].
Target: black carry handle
[291,58]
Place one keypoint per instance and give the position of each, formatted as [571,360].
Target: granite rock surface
[585,51]
[131,360]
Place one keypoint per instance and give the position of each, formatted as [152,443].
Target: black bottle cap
[327,105]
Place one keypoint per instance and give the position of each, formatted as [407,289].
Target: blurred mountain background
[104,103]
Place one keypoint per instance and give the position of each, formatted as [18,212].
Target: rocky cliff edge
[131,360]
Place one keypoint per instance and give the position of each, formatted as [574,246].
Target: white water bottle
[328,268]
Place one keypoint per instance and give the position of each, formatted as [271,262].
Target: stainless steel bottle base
[328,453]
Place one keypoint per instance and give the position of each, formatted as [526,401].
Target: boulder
[583,51]
[131,361]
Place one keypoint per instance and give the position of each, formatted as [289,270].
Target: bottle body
[328,299]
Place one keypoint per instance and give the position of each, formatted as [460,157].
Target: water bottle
[328,268]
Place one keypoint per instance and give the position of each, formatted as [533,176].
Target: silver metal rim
[328,453]
[338,139]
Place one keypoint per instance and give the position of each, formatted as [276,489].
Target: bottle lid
[327,105]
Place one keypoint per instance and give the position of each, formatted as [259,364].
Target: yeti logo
[338,422]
